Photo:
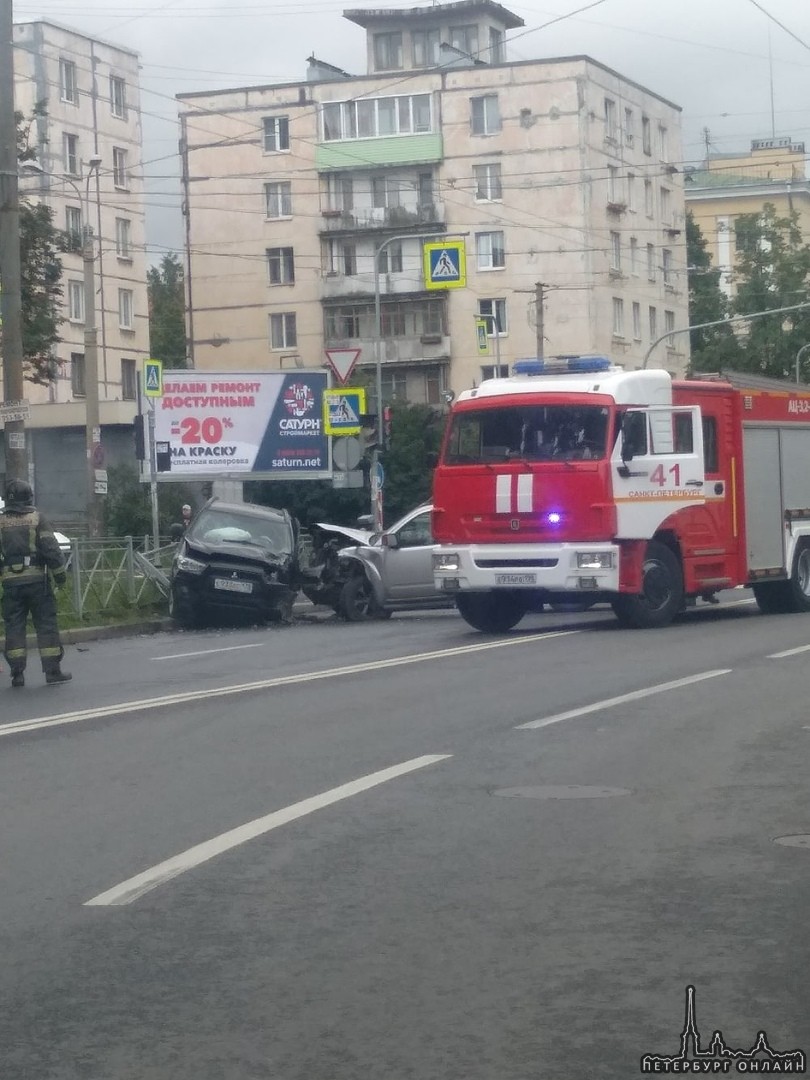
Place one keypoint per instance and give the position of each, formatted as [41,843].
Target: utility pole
[94,451]
[540,301]
[10,270]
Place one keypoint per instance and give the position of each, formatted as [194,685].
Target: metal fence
[118,573]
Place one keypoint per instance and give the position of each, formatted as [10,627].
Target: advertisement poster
[243,425]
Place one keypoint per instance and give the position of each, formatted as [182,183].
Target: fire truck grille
[493,564]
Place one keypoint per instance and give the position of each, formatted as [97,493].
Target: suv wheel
[357,600]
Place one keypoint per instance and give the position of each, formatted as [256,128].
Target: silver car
[392,572]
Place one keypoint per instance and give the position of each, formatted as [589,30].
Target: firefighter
[28,550]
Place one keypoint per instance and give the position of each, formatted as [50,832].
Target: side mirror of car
[389,540]
[176,532]
[432,459]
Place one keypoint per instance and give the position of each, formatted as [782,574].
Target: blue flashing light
[554,518]
[561,365]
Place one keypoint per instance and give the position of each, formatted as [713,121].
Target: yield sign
[342,362]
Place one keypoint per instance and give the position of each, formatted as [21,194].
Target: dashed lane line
[135,887]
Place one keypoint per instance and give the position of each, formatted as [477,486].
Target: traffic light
[368,433]
[139,430]
[387,416]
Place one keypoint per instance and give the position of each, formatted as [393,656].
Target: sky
[739,69]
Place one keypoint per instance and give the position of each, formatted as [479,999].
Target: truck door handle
[694,483]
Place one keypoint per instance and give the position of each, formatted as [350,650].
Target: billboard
[243,425]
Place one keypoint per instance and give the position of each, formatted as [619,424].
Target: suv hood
[248,552]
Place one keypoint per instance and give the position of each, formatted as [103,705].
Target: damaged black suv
[236,561]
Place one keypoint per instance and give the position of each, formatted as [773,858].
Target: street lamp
[93,448]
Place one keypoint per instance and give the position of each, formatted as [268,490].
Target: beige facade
[91,93]
[733,184]
[554,172]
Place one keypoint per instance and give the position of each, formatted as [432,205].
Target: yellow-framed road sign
[153,378]
[445,265]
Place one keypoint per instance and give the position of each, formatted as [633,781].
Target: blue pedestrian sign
[377,476]
[445,265]
[343,410]
[153,378]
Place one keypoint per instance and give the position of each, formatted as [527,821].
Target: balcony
[399,350]
[365,218]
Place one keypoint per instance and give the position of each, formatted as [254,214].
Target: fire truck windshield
[529,433]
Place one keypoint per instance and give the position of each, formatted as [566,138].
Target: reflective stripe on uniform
[15,654]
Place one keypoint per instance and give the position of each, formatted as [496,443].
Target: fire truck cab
[576,479]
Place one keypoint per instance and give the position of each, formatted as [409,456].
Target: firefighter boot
[17,677]
[56,675]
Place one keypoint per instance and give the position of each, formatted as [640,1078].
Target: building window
[348,259]
[636,321]
[426,46]
[394,386]
[76,301]
[384,192]
[283,333]
[489,251]
[650,262]
[666,263]
[648,198]
[125,316]
[70,148]
[487,183]
[77,382]
[118,97]
[73,227]
[646,136]
[494,371]
[394,320]
[120,177]
[631,191]
[388,52]
[634,255]
[497,54]
[486,119]
[128,380]
[669,326]
[390,259]
[123,238]
[344,323]
[663,142]
[68,90]
[374,117]
[465,39]
[666,206]
[618,316]
[280,266]
[276,131]
[434,384]
[611,121]
[616,252]
[614,195]
[629,127]
[653,324]
[278,199]
[493,312]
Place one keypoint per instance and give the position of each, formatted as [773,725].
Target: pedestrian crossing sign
[343,411]
[153,378]
[445,265]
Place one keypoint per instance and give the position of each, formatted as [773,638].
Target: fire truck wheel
[773,597]
[661,596]
[799,585]
[491,613]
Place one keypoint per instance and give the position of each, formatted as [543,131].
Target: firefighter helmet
[19,492]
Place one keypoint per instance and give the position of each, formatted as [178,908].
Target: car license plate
[229,585]
[516,579]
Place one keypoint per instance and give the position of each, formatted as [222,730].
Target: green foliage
[167,318]
[717,346]
[772,271]
[415,433]
[128,510]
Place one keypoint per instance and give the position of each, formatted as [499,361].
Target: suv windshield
[528,432]
[230,527]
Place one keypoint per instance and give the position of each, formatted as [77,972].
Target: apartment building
[729,185]
[88,170]
[555,172]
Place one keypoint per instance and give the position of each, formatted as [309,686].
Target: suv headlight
[191,566]
[594,560]
[446,560]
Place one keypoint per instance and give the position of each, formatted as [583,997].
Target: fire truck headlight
[446,560]
[594,560]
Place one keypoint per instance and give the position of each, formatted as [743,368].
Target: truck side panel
[796,468]
[763,499]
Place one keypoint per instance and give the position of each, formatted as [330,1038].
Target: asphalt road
[331,852]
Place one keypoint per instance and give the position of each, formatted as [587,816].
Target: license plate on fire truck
[516,579]
[228,585]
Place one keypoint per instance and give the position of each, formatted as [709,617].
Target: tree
[41,243]
[716,346]
[772,271]
[167,312]
[128,509]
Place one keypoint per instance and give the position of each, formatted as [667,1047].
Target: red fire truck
[576,480]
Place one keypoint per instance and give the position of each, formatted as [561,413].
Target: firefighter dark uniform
[28,551]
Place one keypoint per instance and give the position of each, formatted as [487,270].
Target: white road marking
[634,695]
[788,652]
[186,697]
[138,886]
[207,652]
